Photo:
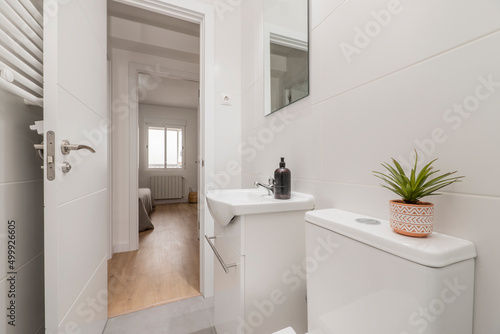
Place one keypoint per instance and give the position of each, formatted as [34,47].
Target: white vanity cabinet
[266,290]
[228,286]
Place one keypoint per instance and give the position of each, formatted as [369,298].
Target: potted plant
[409,215]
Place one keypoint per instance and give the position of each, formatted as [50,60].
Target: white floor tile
[190,316]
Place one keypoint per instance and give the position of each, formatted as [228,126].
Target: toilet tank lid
[436,250]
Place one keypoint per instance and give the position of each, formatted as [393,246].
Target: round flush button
[368,221]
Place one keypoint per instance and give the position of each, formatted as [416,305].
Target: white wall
[228,67]
[227,135]
[395,92]
[190,172]
[287,18]
[21,199]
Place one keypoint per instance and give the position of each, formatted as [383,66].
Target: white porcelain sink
[224,205]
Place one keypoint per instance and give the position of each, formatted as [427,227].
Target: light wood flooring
[166,267]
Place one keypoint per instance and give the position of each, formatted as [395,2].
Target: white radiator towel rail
[21,50]
[167,187]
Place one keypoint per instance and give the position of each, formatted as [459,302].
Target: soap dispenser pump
[282,182]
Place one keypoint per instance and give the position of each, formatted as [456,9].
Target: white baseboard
[120,248]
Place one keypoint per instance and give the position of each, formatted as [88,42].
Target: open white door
[76,201]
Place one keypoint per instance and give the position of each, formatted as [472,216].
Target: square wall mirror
[286,53]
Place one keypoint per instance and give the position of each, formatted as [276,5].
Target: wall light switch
[225,99]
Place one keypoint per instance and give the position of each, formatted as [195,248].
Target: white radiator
[21,49]
[167,187]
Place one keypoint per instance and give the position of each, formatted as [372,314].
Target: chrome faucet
[269,186]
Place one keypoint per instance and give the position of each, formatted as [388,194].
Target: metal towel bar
[223,264]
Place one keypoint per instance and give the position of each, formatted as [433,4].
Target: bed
[146,206]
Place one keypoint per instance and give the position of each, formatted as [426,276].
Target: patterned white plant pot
[415,220]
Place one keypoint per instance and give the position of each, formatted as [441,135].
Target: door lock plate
[51,153]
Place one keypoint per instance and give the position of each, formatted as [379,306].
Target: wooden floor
[166,267]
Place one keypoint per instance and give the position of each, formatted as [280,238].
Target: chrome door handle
[66,147]
[223,264]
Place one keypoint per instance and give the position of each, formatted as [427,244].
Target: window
[165,146]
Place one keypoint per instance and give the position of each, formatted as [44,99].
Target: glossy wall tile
[21,213]
[388,77]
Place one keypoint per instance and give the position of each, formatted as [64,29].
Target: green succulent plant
[411,189]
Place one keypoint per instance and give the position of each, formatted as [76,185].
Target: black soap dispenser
[282,182]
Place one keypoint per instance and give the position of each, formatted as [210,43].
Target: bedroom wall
[190,173]
[428,79]
[21,200]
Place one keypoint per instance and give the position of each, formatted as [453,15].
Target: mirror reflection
[286,53]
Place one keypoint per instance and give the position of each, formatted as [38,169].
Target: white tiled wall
[396,94]
[21,199]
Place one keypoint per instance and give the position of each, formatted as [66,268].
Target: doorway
[156,70]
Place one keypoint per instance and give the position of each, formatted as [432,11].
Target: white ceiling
[137,30]
[154,50]
[143,16]
[148,39]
